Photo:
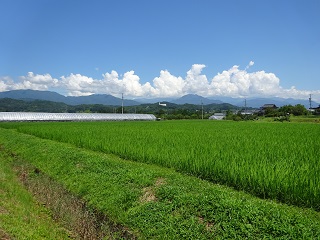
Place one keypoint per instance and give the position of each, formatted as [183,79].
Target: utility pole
[202,109]
[310,101]
[122,104]
[245,106]
[245,109]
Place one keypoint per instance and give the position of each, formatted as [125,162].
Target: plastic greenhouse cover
[37,116]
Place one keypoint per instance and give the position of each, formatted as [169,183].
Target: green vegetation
[171,111]
[284,113]
[14,105]
[308,119]
[296,110]
[21,217]
[154,202]
[276,161]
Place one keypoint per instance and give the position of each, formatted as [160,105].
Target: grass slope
[21,217]
[159,203]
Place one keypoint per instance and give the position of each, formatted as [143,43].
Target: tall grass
[271,160]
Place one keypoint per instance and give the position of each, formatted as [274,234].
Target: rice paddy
[270,160]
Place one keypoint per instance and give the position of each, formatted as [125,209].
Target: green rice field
[270,160]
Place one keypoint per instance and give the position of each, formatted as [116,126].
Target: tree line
[170,111]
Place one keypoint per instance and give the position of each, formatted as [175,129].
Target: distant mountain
[100,99]
[31,95]
[16,105]
[34,95]
[195,99]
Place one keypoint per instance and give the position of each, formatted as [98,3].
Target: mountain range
[105,99]
[30,95]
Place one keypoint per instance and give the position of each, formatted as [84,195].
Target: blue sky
[162,48]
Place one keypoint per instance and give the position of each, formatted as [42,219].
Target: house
[316,110]
[266,106]
[217,116]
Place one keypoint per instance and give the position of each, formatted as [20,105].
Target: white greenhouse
[37,116]
[217,116]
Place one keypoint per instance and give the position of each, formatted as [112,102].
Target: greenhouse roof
[37,116]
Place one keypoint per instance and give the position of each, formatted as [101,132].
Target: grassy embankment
[21,217]
[154,202]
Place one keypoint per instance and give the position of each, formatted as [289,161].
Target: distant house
[266,106]
[316,110]
[217,116]
[248,112]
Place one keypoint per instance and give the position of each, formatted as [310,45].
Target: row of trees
[297,110]
[170,111]
[280,114]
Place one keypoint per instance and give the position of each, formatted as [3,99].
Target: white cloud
[77,85]
[262,83]
[167,85]
[195,82]
[111,83]
[6,83]
[129,84]
[38,81]
[233,82]
[31,81]
[251,63]
[132,86]
[300,94]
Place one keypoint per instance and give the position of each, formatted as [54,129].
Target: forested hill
[14,105]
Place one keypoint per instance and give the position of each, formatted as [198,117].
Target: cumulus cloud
[6,83]
[78,85]
[129,84]
[37,81]
[195,82]
[234,82]
[168,85]
[31,81]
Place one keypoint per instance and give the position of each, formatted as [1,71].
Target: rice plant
[271,160]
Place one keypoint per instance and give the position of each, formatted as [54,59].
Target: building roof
[269,106]
[217,116]
[315,108]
